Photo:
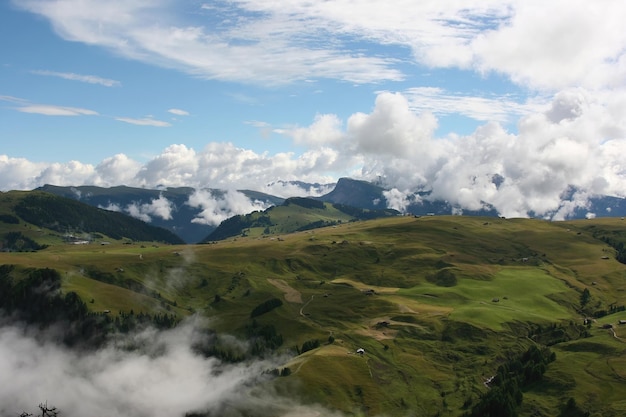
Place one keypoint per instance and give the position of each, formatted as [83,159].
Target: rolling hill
[293,215]
[26,216]
[180,213]
[439,305]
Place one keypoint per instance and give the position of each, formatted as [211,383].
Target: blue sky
[45,68]
[242,93]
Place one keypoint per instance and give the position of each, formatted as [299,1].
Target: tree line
[18,242]
[37,299]
[512,377]
[66,215]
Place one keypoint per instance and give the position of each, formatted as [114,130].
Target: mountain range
[194,214]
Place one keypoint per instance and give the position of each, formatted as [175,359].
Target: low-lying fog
[161,376]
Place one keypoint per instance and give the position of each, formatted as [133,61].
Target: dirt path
[291,295]
[307,303]
[615,335]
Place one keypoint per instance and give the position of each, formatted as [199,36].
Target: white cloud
[557,44]
[271,49]
[51,110]
[161,377]
[12,99]
[146,121]
[160,207]
[112,207]
[576,143]
[391,129]
[25,106]
[178,112]
[326,129]
[398,200]
[286,189]
[259,124]
[90,79]
[116,170]
[222,165]
[217,208]
[72,172]
[19,173]
[502,109]
[543,45]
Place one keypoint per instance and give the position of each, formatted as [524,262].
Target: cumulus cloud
[19,173]
[162,377]
[288,189]
[391,128]
[214,209]
[116,170]
[556,45]
[326,129]
[564,154]
[225,166]
[70,172]
[398,200]
[219,165]
[160,207]
[568,104]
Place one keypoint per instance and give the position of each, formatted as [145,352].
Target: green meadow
[512,294]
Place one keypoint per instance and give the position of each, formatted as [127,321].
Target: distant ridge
[184,219]
[365,194]
[182,214]
[295,214]
[67,216]
[357,193]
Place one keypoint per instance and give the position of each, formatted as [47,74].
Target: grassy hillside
[182,214]
[295,214]
[48,214]
[437,303]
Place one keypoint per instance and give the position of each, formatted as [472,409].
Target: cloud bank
[213,206]
[216,209]
[167,380]
[160,207]
[575,144]
[161,377]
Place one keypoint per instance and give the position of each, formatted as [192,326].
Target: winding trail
[306,304]
[615,335]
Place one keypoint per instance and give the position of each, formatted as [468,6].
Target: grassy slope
[59,215]
[293,215]
[428,348]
